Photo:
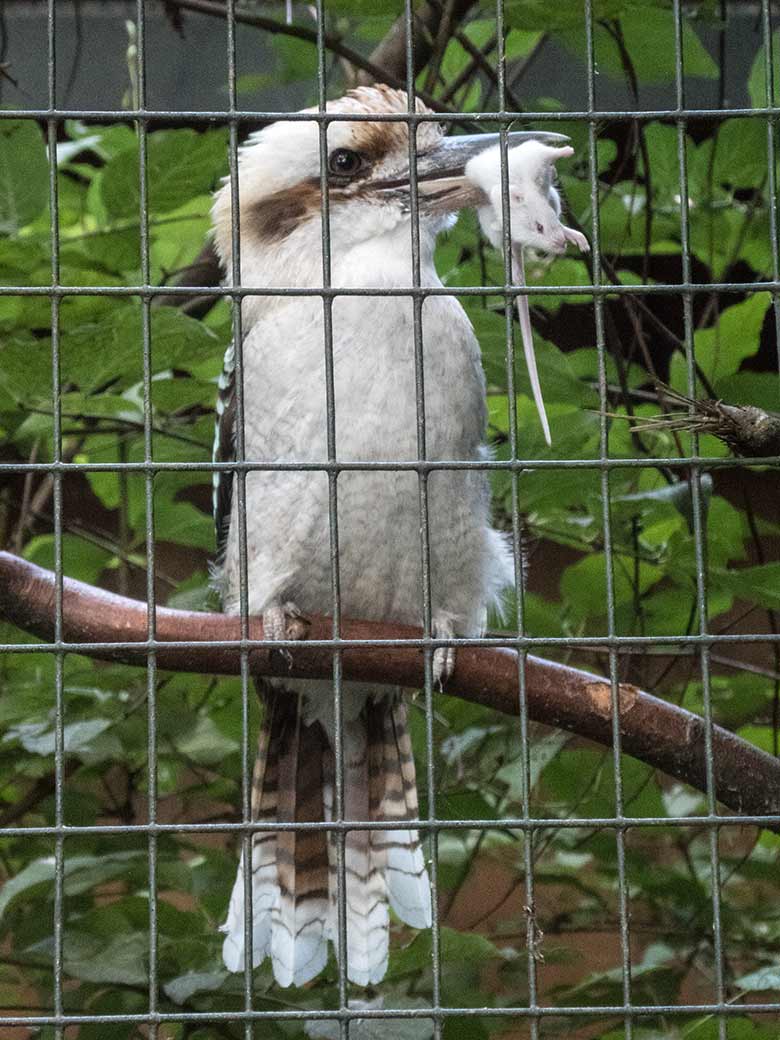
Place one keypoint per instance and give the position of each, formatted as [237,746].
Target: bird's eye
[540,229]
[343,162]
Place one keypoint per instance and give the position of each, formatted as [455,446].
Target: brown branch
[390,53]
[662,735]
[204,270]
[374,70]
[749,431]
[43,787]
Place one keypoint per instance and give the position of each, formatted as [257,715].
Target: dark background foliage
[586,878]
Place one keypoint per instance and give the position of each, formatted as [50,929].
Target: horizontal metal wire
[518,823]
[693,462]
[152,115]
[347,1014]
[422,642]
[421,291]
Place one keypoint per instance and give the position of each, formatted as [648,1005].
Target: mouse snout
[557,240]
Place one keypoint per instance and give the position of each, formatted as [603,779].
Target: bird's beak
[442,186]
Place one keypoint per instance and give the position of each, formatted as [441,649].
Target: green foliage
[632,569]
[24,175]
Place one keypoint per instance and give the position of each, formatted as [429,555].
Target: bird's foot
[285,621]
[443,656]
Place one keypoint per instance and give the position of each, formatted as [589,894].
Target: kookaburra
[288,532]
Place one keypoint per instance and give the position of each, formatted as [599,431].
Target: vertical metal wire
[53,119]
[771,147]
[620,833]
[424,511]
[239,484]
[529,833]
[59,657]
[148,437]
[333,529]
[699,525]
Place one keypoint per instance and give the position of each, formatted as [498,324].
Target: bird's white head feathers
[368,171]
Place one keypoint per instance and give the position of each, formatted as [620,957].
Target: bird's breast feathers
[375,380]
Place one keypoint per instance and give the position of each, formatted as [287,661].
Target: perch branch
[666,737]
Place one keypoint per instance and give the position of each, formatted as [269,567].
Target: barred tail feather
[299,941]
[366,894]
[407,881]
[264,894]
[265,889]
[294,873]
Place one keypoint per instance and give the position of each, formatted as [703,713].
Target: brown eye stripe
[276,216]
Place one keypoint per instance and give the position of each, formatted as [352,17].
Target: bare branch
[747,430]
[666,737]
[390,54]
[376,72]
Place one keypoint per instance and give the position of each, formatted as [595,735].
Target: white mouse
[534,223]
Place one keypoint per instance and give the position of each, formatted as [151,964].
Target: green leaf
[184,524]
[35,876]
[708,1028]
[80,558]
[24,174]
[183,987]
[757,82]
[39,738]
[180,164]
[463,947]
[542,751]
[761,389]
[767,978]
[720,350]
[678,495]
[25,370]
[538,14]
[584,584]
[760,584]
[205,742]
[121,960]
[741,154]
[95,355]
[81,873]
[648,36]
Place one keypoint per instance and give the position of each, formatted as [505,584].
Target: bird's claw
[443,656]
[285,621]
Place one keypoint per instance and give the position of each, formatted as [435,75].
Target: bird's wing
[224,448]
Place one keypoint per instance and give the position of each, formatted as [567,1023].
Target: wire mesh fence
[699,641]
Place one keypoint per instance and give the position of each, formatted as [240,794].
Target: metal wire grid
[703,641]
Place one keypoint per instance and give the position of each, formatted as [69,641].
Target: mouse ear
[524,314]
[516,197]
